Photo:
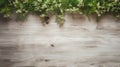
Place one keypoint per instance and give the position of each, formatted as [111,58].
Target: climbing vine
[59,7]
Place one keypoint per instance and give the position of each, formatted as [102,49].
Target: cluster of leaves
[59,7]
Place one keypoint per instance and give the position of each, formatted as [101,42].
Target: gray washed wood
[79,43]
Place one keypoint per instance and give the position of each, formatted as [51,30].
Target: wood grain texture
[79,43]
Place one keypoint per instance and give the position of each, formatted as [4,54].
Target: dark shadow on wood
[3,19]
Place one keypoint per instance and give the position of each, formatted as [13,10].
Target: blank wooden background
[79,43]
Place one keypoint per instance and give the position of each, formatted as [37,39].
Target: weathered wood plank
[79,43]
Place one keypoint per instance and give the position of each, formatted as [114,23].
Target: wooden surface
[79,43]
